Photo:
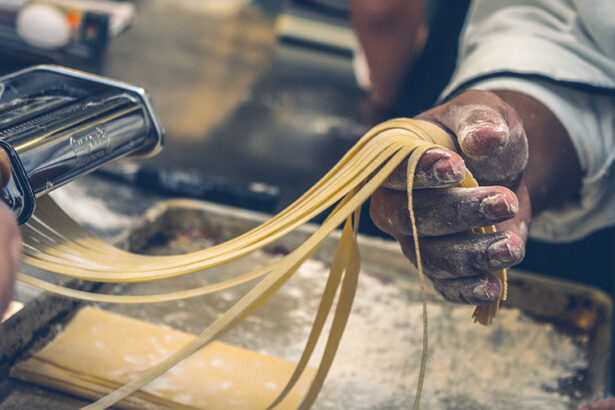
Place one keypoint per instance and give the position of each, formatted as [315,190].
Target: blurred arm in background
[392,33]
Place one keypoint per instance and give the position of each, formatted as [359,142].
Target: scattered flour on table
[516,363]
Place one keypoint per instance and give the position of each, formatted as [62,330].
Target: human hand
[10,242]
[392,35]
[493,146]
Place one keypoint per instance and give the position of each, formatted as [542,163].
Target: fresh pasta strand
[56,243]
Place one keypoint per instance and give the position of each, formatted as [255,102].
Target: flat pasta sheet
[100,351]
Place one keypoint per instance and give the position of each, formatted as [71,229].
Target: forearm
[387,30]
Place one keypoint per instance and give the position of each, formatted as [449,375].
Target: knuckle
[449,291]
[378,211]
[388,210]
[397,179]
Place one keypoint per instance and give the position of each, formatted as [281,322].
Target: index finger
[437,168]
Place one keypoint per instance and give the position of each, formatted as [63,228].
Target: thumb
[490,135]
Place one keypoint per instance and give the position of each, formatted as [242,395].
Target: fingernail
[501,253]
[480,138]
[491,135]
[496,207]
[487,291]
[448,170]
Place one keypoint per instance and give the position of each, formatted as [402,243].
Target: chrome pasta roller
[58,124]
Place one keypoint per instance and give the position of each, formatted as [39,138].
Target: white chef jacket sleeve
[590,122]
[561,53]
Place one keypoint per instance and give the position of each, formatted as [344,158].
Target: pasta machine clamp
[57,124]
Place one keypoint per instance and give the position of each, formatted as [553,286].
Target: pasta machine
[57,124]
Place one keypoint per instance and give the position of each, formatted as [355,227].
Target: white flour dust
[516,363]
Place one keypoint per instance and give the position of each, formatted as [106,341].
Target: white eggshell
[43,26]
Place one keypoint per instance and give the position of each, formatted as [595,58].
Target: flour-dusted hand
[493,146]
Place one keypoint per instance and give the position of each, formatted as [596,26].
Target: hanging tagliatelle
[55,243]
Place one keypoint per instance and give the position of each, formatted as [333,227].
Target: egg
[43,26]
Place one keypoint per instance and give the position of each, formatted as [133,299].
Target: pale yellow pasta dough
[100,350]
[56,243]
